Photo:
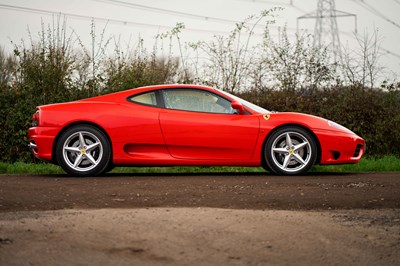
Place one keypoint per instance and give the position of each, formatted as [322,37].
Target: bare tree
[361,66]
[296,64]
[8,66]
[230,60]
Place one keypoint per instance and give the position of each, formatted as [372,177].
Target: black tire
[88,159]
[109,168]
[293,159]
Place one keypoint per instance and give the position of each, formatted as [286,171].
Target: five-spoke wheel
[290,151]
[83,150]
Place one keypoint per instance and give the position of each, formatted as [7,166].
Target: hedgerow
[372,113]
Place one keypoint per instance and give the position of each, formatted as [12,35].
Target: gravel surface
[208,219]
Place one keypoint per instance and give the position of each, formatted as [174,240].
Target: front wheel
[83,150]
[290,151]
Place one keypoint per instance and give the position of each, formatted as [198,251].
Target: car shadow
[222,174]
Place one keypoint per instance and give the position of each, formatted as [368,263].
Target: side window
[148,98]
[196,101]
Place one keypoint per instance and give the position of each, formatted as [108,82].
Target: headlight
[337,126]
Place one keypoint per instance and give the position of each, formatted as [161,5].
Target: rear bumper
[41,141]
[340,147]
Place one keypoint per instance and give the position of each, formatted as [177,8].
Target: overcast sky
[202,19]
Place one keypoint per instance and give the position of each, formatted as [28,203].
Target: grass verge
[385,164]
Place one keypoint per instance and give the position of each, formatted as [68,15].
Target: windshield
[247,104]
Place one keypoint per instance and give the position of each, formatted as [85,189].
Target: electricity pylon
[326,32]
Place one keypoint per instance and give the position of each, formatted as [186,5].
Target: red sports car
[170,125]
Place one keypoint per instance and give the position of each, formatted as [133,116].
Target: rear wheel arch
[78,123]
[319,150]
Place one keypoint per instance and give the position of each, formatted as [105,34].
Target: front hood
[310,121]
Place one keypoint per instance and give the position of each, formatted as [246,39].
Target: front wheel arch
[316,140]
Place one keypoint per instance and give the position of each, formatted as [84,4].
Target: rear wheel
[83,150]
[290,151]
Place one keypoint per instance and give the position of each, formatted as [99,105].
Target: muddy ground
[207,219]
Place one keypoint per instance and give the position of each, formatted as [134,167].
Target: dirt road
[208,219]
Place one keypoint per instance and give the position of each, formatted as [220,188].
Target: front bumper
[340,147]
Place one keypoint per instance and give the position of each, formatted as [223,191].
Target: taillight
[35,119]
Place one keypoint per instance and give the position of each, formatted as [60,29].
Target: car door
[199,124]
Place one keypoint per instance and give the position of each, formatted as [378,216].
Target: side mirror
[238,107]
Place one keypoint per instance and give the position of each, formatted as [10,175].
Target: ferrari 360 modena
[185,125]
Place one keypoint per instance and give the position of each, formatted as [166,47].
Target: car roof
[113,97]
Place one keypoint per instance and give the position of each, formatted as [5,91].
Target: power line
[167,11]
[120,22]
[356,35]
[178,13]
[376,12]
[397,1]
[276,3]
[83,17]
[101,19]
[268,2]
[390,52]
[340,14]
[326,27]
